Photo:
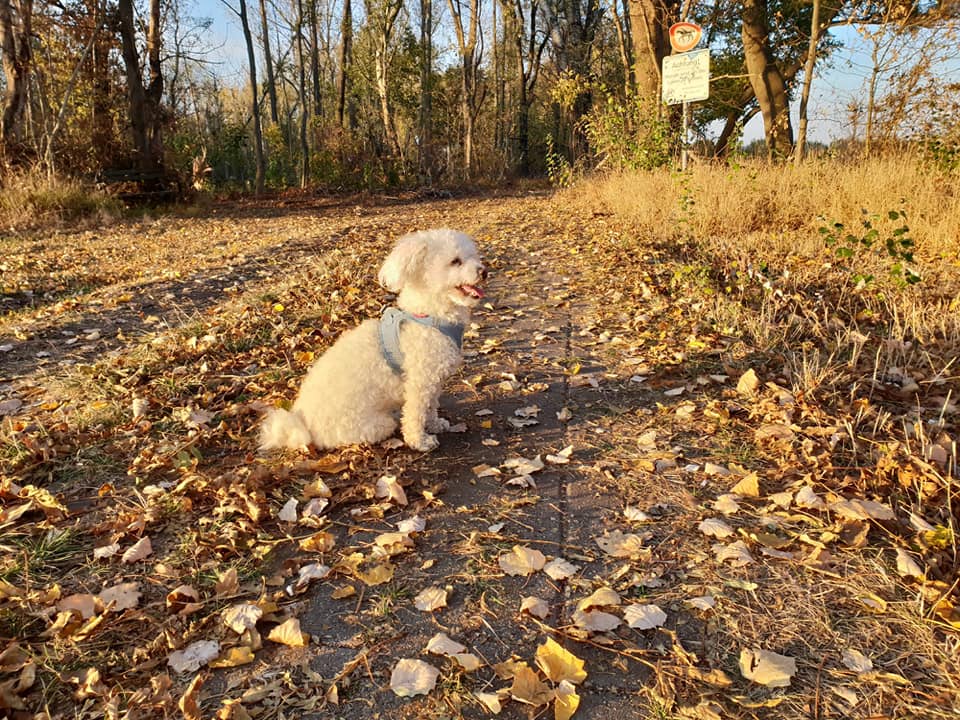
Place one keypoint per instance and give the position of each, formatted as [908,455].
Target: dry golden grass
[35,198]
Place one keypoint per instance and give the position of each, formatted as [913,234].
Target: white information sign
[686,77]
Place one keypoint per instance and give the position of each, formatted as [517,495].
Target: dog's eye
[456,261]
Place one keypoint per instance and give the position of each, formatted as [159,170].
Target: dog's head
[442,263]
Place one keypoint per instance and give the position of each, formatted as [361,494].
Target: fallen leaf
[106,551]
[807,498]
[726,504]
[738,554]
[595,620]
[491,701]
[189,702]
[767,668]
[523,466]
[644,617]
[857,509]
[377,575]
[705,602]
[856,661]
[635,514]
[320,542]
[522,561]
[560,569]
[441,644]
[242,616]
[715,527]
[83,603]
[562,457]
[528,688]
[483,470]
[566,701]
[288,513]
[907,566]
[388,487]
[411,525]
[413,677]
[749,486]
[235,657]
[748,382]
[468,661]
[138,551]
[535,606]
[194,656]
[625,545]
[559,664]
[599,598]
[432,598]
[288,633]
[123,596]
[227,583]
[183,600]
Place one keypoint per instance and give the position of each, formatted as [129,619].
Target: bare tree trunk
[425,116]
[807,81]
[383,14]
[315,59]
[15,38]
[304,102]
[528,51]
[872,98]
[467,44]
[650,22]
[154,90]
[268,63]
[136,93]
[254,105]
[624,39]
[346,42]
[766,79]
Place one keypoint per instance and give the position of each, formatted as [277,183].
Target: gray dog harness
[390,323]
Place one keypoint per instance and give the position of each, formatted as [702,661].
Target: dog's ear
[404,263]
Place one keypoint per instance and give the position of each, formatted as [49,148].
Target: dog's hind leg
[374,428]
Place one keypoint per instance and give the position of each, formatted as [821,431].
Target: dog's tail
[283,429]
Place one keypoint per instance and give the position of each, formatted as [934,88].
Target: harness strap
[390,323]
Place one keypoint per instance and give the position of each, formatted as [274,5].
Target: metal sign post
[686,75]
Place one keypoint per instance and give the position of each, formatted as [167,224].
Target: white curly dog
[393,365]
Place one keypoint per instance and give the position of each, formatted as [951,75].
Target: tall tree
[467,38]
[144,100]
[425,113]
[650,22]
[528,43]
[346,47]
[15,39]
[315,58]
[766,78]
[304,101]
[815,33]
[382,20]
[268,62]
[260,164]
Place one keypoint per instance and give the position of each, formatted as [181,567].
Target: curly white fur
[351,395]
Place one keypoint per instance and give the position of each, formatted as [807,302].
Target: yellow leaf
[566,701]
[189,702]
[318,542]
[558,663]
[235,656]
[343,592]
[278,307]
[377,575]
[528,688]
[288,633]
[748,486]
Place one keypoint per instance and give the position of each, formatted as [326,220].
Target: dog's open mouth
[471,291]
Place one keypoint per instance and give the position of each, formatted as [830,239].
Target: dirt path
[601,421]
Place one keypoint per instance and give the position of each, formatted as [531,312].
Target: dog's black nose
[483,273]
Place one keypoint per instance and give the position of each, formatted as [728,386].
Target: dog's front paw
[439,425]
[425,443]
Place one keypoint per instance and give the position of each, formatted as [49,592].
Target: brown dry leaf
[535,606]
[138,551]
[855,660]
[522,561]
[468,661]
[234,657]
[242,616]
[528,688]
[441,644]
[320,542]
[413,677]
[189,702]
[566,701]
[318,488]
[432,598]
[343,592]
[907,566]
[560,569]
[84,603]
[227,583]
[388,487]
[194,656]
[599,598]
[491,701]
[767,668]
[747,384]
[715,527]
[737,554]
[88,683]
[183,600]
[558,663]
[288,513]
[644,617]
[622,545]
[377,575]
[595,620]
[122,596]
[288,633]
[858,509]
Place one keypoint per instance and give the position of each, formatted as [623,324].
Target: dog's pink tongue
[473,290]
